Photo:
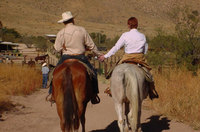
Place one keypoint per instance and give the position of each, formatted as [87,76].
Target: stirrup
[153,94]
[50,99]
[95,99]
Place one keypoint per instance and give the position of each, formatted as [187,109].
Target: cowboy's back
[74,39]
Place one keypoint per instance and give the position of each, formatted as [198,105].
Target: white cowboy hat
[44,64]
[66,16]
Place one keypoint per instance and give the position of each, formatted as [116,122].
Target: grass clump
[179,96]
[17,80]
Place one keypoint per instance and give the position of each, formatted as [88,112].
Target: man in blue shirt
[45,71]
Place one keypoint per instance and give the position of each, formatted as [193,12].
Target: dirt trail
[36,115]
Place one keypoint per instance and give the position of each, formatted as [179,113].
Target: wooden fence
[104,67]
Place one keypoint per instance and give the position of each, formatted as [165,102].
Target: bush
[10,34]
[188,33]
[39,42]
[101,40]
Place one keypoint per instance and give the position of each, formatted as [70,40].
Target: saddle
[142,64]
[136,61]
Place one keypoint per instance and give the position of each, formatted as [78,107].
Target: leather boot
[152,91]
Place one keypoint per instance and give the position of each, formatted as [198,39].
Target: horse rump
[70,106]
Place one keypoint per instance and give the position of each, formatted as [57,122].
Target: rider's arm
[146,48]
[115,48]
[59,41]
[90,44]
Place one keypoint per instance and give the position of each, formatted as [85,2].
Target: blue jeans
[44,80]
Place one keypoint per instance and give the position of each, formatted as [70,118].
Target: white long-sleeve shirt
[133,41]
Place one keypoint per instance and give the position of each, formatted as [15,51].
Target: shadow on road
[155,124]
[113,127]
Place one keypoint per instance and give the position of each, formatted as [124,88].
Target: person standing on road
[45,71]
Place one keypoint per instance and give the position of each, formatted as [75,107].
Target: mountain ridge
[36,17]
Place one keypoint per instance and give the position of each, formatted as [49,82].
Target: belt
[74,54]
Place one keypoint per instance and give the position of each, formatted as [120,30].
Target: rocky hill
[38,17]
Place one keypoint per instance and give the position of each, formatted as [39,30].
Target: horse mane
[70,102]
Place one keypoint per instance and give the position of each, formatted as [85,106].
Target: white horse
[129,87]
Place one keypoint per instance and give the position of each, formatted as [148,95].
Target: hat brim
[44,64]
[64,20]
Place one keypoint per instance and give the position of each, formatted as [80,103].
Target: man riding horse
[135,48]
[73,41]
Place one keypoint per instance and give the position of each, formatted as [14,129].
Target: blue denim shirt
[45,70]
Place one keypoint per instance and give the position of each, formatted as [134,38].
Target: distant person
[73,41]
[1,31]
[135,47]
[45,71]
[1,60]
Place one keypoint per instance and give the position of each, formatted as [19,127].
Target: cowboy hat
[66,16]
[44,64]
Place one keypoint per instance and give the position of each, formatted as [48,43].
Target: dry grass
[17,80]
[179,95]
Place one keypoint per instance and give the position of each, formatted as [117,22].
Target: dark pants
[44,80]
[83,59]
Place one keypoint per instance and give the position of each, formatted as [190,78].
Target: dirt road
[34,114]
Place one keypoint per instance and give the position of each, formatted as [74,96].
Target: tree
[187,27]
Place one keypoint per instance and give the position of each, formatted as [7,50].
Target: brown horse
[43,57]
[72,90]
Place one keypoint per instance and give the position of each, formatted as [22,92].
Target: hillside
[38,17]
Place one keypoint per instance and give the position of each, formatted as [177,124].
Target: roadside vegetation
[177,59]
[179,98]
[17,80]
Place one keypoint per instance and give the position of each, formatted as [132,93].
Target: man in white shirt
[135,47]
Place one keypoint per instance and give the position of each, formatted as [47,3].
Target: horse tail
[70,106]
[133,94]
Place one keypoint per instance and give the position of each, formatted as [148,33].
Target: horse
[41,58]
[129,88]
[31,63]
[72,90]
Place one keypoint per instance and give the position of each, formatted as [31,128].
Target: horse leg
[134,115]
[60,113]
[119,110]
[127,124]
[83,120]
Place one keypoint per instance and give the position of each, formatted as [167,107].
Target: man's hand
[101,58]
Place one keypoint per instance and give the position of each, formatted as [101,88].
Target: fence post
[105,69]
[115,59]
[99,68]
[111,61]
